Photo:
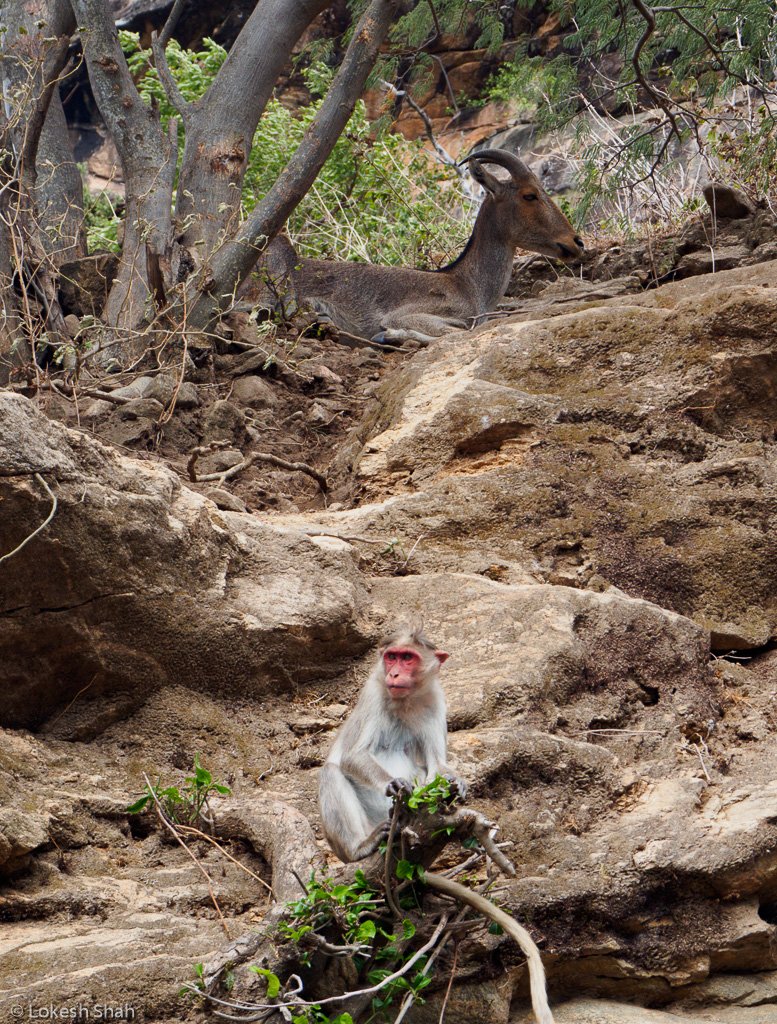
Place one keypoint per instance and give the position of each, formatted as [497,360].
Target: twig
[387,863]
[293,467]
[346,995]
[630,732]
[203,449]
[313,939]
[69,390]
[348,538]
[412,550]
[465,865]
[167,414]
[204,835]
[169,825]
[485,831]
[450,980]
[45,522]
[72,702]
[650,28]
[442,154]
[697,748]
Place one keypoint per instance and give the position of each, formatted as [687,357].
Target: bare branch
[172,20]
[459,892]
[45,522]
[173,93]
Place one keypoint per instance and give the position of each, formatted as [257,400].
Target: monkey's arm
[362,767]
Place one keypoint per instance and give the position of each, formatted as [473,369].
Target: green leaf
[405,869]
[138,805]
[171,793]
[367,930]
[273,981]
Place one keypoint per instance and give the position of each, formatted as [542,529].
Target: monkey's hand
[398,786]
[458,786]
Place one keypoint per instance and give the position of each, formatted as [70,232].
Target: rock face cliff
[579,501]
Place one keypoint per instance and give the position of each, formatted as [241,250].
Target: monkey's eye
[406,656]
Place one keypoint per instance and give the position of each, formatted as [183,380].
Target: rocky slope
[579,501]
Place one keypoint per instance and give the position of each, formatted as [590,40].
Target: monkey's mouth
[398,689]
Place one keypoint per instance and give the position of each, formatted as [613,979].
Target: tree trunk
[148,158]
[35,47]
[14,350]
[230,264]
[59,189]
[220,127]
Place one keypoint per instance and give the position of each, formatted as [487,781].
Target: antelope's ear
[487,180]
[441,656]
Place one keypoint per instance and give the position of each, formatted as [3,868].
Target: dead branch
[199,834]
[171,828]
[45,522]
[459,892]
[273,460]
[204,449]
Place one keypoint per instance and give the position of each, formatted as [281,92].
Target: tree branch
[233,261]
[173,93]
[459,892]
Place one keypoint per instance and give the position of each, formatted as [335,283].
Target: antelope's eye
[531,197]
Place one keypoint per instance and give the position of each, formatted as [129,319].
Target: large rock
[629,442]
[136,582]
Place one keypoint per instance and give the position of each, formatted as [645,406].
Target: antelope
[395,304]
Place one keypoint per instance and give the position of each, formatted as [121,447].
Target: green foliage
[419,26]
[677,92]
[183,807]
[196,987]
[101,219]
[347,905]
[749,149]
[314,1015]
[377,199]
[273,981]
[359,914]
[689,65]
[429,797]
[535,83]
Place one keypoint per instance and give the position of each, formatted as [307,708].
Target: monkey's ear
[441,656]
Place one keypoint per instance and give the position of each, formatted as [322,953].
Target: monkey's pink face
[403,669]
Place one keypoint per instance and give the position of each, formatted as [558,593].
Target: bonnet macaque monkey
[396,734]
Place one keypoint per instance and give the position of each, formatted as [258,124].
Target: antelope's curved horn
[517,168]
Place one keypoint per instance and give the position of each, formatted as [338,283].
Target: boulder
[137,580]
[626,442]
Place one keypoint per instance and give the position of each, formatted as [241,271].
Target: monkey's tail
[539,997]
